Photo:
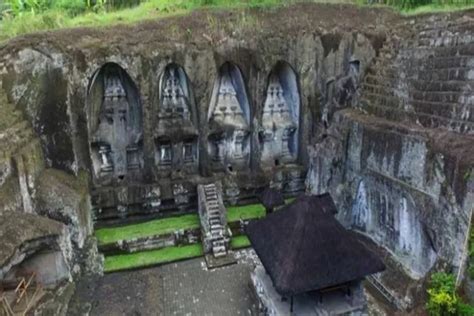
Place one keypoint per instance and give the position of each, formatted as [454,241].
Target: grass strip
[169,225]
[153,257]
[165,255]
[252,211]
[151,228]
[239,242]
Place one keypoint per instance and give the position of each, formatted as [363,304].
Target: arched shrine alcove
[229,121]
[280,118]
[115,126]
[176,134]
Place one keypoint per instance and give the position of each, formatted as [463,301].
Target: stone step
[214,226]
[219,251]
[216,237]
[218,242]
[216,231]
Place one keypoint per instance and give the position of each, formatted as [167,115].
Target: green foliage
[72,7]
[442,300]
[412,4]
[465,310]
[24,16]
[35,6]
[442,297]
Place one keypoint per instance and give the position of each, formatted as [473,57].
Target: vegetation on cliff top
[25,16]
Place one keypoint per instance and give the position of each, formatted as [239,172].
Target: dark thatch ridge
[304,248]
[271,198]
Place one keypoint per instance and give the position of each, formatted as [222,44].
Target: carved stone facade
[280,118]
[115,127]
[176,135]
[177,139]
[229,122]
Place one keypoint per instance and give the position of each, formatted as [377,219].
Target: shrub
[71,7]
[442,300]
[411,4]
[442,297]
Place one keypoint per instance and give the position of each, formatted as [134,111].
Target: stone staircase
[216,225]
[424,78]
[387,294]
[215,233]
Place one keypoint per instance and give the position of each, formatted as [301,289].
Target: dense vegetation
[412,4]
[24,16]
[443,299]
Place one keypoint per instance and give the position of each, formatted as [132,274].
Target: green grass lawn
[56,18]
[60,17]
[252,211]
[151,228]
[165,255]
[241,241]
[169,225]
[153,257]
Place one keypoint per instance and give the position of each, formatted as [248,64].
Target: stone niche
[278,135]
[115,127]
[229,114]
[176,135]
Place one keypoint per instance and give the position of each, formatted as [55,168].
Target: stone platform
[183,288]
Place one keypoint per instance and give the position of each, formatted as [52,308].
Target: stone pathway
[182,288]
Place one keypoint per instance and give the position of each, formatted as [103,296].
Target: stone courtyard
[181,288]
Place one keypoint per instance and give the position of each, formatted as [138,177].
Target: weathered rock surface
[400,162]
[23,234]
[386,107]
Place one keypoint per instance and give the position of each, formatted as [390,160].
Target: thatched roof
[271,198]
[303,247]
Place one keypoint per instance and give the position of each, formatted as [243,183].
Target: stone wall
[399,162]
[53,83]
[28,186]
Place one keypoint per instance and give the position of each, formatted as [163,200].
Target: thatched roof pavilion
[304,248]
